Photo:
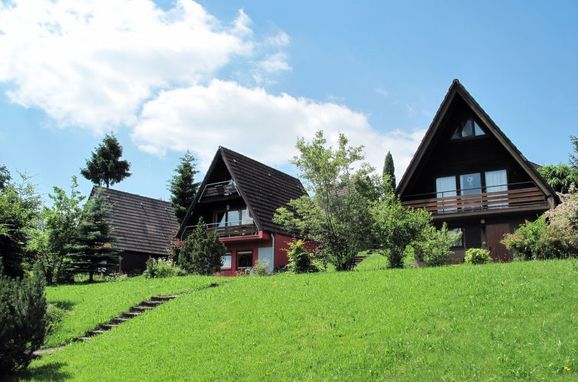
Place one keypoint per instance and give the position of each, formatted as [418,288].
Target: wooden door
[494,235]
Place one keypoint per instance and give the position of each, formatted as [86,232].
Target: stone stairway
[133,312]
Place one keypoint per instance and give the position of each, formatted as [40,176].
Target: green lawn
[88,305]
[498,322]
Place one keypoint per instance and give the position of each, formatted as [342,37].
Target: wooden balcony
[219,190]
[232,230]
[519,195]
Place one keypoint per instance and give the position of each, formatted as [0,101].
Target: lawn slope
[495,322]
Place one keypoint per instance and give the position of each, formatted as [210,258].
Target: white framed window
[227,261]
[446,188]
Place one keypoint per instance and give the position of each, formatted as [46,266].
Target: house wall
[134,263]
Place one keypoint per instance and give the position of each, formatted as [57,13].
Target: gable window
[469,128]
[233,218]
[244,259]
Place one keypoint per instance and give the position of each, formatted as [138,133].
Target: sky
[253,76]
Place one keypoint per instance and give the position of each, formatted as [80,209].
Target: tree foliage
[105,166]
[57,233]
[23,323]
[183,186]
[336,216]
[19,209]
[4,177]
[560,177]
[92,253]
[389,173]
[201,252]
[574,157]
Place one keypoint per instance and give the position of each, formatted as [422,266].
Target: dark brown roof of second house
[139,223]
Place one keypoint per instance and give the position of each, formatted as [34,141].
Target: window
[471,184]
[446,188]
[226,261]
[460,242]
[469,128]
[244,259]
[497,187]
[233,218]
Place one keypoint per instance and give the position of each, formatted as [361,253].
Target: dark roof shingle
[140,223]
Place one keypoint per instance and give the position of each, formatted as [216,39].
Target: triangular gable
[262,188]
[458,90]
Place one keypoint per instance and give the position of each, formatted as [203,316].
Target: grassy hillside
[496,322]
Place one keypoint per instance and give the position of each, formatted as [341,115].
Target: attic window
[469,128]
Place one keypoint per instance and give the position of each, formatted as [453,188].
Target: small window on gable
[469,128]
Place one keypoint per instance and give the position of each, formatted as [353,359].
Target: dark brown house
[238,198]
[468,174]
[142,227]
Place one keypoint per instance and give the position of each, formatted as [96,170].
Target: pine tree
[389,173]
[104,166]
[93,252]
[4,177]
[183,187]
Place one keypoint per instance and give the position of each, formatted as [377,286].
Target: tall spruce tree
[389,173]
[183,186]
[104,166]
[93,252]
[4,177]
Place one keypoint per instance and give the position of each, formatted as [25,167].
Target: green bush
[526,242]
[300,260]
[158,268]
[23,322]
[434,247]
[560,240]
[477,256]
[261,268]
[54,315]
[202,251]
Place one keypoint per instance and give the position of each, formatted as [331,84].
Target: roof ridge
[133,194]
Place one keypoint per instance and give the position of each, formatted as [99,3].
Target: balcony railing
[513,195]
[231,230]
[219,189]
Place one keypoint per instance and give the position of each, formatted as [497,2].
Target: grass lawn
[498,322]
[91,304]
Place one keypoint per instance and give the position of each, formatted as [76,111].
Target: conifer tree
[104,166]
[93,252]
[4,177]
[182,186]
[389,173]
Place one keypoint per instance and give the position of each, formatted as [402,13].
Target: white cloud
[258,124]
[93,63]
[276,62]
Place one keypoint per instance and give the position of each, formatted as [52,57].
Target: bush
[300,261]
[202,251]
[526,242]
[158,268]
[261,268]
[477,256]
[23,322]
[54,315]
[560,240]
[434,247]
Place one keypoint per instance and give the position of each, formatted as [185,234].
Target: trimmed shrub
[477,256]
[526,242]
[23,322]
[300,260]
[434,248]
[202,251]
[158,268]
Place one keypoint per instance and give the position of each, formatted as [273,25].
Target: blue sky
[270,71]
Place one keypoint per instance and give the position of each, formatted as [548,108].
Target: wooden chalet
[468,174]
[238,198]
[142,227]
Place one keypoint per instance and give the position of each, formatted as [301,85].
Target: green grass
[373,262]
[498,322]
[88,305]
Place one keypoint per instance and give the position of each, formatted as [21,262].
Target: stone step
[162,298]
[95,332]
[151,303]
[83,338]
[108,326]
[131,314]
[118,320]
[140,308]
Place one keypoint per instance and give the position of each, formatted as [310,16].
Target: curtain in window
[496,182]
[446,188]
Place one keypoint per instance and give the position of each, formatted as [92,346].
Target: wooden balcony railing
[516,195]
[219,189]
[232,230]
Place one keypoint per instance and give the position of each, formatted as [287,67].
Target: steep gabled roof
[263,188]
[140,223]
[458,90]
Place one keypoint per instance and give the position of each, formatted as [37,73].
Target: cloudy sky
[253,76]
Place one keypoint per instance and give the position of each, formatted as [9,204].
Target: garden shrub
[477,256]
[202,251]
[23,322]
[560,239]
[526,242]
[434,246]
[261,268]
[158,268]
[300,260]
